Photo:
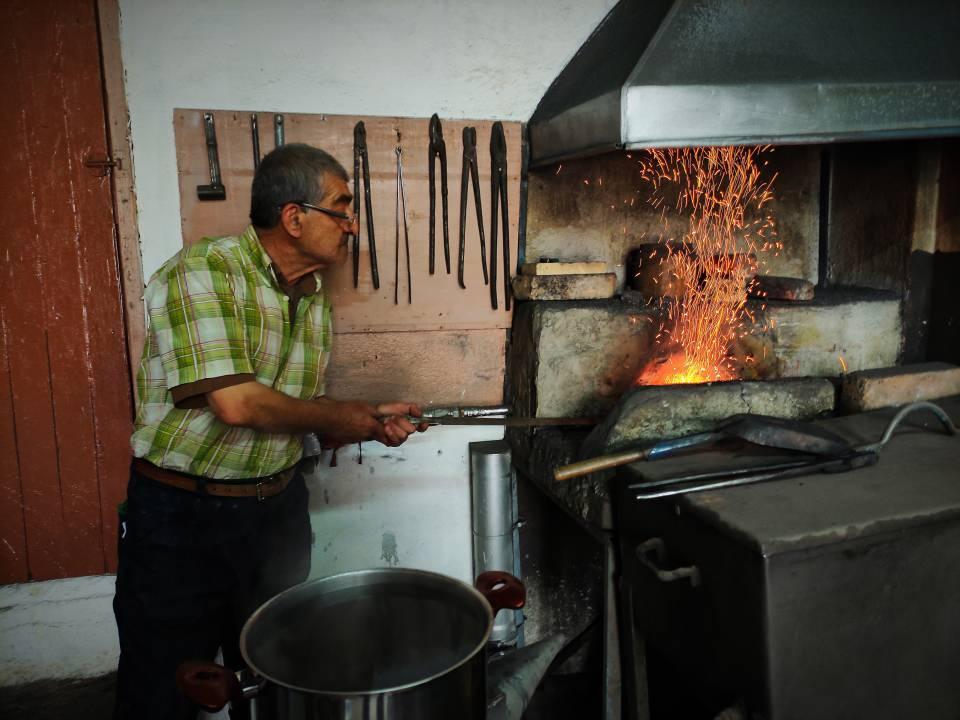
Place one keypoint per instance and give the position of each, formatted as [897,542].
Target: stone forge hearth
[577,358]
[858,229]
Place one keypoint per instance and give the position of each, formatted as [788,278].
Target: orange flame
[721,193]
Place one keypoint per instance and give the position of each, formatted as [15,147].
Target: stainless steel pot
[385,644]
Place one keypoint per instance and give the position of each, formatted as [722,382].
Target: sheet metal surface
[709,72]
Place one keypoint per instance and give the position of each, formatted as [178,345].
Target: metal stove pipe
[492,491]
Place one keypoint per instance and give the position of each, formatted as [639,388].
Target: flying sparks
[721,193]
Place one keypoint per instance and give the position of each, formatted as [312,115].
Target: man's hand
[395,425]
[357,422]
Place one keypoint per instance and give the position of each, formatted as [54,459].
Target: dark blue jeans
[192,569]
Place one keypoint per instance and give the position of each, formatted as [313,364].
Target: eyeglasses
[350,219]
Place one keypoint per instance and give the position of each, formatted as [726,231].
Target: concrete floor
[559,697]
[87,699]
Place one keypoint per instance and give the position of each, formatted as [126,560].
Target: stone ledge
[652,413]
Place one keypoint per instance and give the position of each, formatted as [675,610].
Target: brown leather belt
[259,488]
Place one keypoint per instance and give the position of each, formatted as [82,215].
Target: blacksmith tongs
[360,157]
[438,149]
[498,193]
[469,170]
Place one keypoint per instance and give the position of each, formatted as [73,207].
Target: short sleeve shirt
[217,309]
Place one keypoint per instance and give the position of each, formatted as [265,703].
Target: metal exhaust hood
[674,73]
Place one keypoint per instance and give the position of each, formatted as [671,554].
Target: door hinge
[103,164]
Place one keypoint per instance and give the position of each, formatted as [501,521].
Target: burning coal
[720,192]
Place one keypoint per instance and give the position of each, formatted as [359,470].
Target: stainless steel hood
[671,73]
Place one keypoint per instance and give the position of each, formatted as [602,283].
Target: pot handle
[501,589]
[209,685]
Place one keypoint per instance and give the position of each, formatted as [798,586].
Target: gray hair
[294,173]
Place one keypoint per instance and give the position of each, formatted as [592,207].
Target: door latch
[103,164]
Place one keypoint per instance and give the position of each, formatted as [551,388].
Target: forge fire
[705,275]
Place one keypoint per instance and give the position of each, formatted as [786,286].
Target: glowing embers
[720,199]
[679,369]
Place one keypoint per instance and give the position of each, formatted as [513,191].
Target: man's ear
[290,219]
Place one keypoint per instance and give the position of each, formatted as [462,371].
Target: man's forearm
[267,410]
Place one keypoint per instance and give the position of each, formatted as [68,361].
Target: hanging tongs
[498,194]
[401,219]
[361,161]
[438,149]
[469,172]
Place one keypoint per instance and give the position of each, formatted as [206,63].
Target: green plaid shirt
[217,309]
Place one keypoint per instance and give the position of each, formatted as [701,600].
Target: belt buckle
[259,491]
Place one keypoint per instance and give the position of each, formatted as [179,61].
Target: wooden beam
[124,195]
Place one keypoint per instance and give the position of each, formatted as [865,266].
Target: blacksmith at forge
[232,377]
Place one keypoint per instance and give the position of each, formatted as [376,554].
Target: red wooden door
[65,397]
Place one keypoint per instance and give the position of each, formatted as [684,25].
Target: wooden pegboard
[438,301]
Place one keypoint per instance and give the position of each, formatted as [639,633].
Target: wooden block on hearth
[773,287]
[565,287]
[885,387]
[587,267]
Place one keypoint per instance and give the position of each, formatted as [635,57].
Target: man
[231,378]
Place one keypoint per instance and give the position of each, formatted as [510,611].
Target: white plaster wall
[457,58]
[402,507]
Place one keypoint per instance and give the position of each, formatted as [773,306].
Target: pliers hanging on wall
[361,159]
[401,215]
[469,171]
[438,149]
[498,193]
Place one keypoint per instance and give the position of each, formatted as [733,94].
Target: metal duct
[673,73]
[493,501]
